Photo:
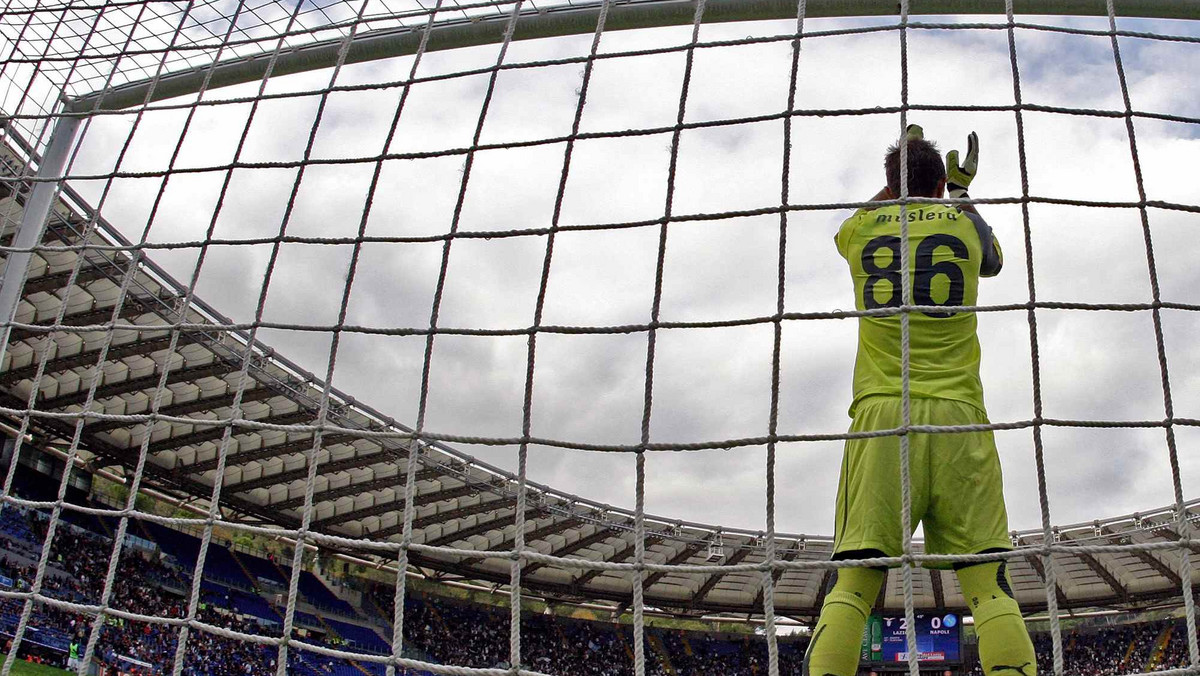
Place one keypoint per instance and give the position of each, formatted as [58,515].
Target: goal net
[393,280]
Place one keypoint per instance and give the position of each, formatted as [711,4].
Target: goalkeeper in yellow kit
[956,488]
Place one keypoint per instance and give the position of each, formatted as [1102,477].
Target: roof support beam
[1147,558]
[461,513]
[93,272]
[1097,568]
[356,488]
[441,517]
[288,476]
[1170,534]
[1035,560]
[398,505]
[549,529]
[51,233]
[90,357]
[617,557]
[498,523]
[214,433]
[1109,579]
[193,406]
[264,452]
[178,375]
[65,429]
[602,533]
[534,535]
[1160,567]
[788,555]
[713,579]
[133,308]
[378,509]
[686,553]
[935,578]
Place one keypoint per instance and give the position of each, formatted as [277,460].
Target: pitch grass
[23,668]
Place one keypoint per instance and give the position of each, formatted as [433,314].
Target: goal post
[580,19]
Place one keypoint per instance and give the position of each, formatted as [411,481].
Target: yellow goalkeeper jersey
[949,251]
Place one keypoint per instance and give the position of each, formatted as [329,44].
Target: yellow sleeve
[999,254]
[844,233]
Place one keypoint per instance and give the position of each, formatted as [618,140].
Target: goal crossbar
[574,19]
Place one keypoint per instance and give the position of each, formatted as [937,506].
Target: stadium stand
[263,571]
[238,588]
[358,637]
[466,634]
[220,565]
[252,605]
[144,585]
[317,594]
[437,629]
[14,525]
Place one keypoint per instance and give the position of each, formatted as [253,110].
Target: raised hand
[959,177]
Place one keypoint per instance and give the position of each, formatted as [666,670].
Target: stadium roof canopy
[360,474]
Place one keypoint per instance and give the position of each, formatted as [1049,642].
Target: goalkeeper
[956,487]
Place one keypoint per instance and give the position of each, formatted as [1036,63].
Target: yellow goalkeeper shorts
[957,489]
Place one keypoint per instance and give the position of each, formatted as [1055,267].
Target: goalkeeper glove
[958,178]
[914,133]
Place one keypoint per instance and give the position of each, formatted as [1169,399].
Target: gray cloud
[710,385]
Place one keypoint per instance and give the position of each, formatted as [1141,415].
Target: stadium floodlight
[156,62]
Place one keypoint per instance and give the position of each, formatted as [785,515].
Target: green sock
[837,639]
[1004,645]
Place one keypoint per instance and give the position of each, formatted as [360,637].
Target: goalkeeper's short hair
[925,168]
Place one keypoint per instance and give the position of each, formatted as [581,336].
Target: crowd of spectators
[1102,653]
[78,566]
[452,632]
[1111,650]
[457,633]
[1175,653]
[435,629]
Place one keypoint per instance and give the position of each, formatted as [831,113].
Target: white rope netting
[63,62]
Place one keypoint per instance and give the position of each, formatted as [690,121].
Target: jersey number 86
[926,270]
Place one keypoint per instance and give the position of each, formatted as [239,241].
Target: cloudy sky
[710,384]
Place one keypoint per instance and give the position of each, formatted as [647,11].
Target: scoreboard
[938,639]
